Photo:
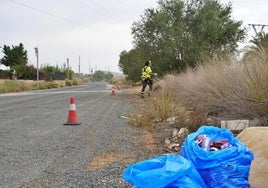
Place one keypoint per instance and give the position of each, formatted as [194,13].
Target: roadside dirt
[155,134]
[154,137]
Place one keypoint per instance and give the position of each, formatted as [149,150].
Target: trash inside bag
[164,171]
[220,158]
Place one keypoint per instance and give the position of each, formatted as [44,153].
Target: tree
[14,56]
[260,42]
[54,72]
[258,47]
[101,76]
[180,33]
[109,76]
[98,76]
[131,63]
[25,72]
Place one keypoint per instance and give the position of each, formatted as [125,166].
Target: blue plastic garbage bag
[162,172]
[223,168]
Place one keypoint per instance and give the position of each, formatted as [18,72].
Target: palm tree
[260,42]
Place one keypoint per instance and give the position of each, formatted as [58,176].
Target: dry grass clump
[227,90]
[213,92]
[7,86]
[164,104]
[14,86]
[121,80]
[160,106]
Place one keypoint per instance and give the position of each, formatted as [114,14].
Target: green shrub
[75,82]
[68,83]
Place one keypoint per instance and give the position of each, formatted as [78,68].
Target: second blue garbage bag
[164,171]
[220,158]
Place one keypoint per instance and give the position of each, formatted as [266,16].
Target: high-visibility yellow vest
[146,72]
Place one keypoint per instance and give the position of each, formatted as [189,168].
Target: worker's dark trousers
[149,82]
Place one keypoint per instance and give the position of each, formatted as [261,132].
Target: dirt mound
[256,140]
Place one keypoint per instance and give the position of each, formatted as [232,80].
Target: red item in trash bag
[219,144]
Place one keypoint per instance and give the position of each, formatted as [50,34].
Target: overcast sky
[97,31]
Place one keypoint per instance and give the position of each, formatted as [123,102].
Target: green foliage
[68,83]
[53,73]
[14,56]
[100,76]
[213,30]
[260,42]
[109,76]
[132,62]
[25,72]
[258,47]
[69,73]
[75,82]
[180,34]
[51,69]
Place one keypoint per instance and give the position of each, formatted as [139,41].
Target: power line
[44,12]
[262,26]
[101,7]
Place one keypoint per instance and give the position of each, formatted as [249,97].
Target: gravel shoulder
[94,154]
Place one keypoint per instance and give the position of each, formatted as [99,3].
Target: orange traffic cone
[72,118]
[113,92]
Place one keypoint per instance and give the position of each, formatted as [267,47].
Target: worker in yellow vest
[146,78]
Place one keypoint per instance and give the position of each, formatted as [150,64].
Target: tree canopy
[14,56]
[100,76]
[260,42]
[179,34]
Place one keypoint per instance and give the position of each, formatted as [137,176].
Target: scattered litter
[174,132]
[183,132]
[174,147]
[172,120]
[167,141]
[124,117]
[210,157]
[172,143]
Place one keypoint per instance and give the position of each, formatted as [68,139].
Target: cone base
[68,123]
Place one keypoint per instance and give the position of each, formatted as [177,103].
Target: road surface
[37,150]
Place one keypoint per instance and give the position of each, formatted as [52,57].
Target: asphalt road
[37,150]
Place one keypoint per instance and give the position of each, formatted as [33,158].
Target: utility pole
[254,26]
[89,67]
[67,68]
[37,69]
[79,65]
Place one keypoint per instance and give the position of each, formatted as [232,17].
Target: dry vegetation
[7,86]
[212,92]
